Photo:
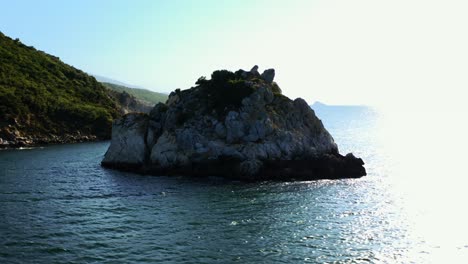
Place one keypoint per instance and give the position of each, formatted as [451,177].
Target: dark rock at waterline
[236,125]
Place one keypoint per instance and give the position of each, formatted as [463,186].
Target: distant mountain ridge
[319,104]
[43,100]
[320,107]
[103,79]
[336,114]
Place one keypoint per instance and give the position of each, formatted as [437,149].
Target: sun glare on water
[424,149]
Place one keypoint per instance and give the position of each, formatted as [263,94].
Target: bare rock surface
[128,140]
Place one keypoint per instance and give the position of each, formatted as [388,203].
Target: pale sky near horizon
[337,52]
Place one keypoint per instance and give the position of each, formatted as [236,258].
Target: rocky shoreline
[20,133]
[35,141]
[235,125]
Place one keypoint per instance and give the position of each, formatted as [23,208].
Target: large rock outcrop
[236,125]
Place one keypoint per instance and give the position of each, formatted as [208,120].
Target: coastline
[31,142]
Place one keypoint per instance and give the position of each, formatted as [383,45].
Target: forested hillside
[43,100]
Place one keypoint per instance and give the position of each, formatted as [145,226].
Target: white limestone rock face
[234,125]
[128,144]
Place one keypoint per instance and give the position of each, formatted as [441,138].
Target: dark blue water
[57,205]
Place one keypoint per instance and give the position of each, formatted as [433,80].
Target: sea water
[58,205]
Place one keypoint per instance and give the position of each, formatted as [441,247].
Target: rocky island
[234,125]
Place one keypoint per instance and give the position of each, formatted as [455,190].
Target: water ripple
[58,205]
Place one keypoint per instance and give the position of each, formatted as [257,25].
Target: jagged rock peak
[268,75]
[254,70]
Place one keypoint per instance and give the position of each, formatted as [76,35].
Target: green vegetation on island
[141,94]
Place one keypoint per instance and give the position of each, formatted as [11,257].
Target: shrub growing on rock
[275,88]
[225,90]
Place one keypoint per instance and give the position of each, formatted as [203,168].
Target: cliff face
[236,125]
[129,104]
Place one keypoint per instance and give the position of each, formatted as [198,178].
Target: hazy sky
[339,52]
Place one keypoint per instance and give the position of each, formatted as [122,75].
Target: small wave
[53,250]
